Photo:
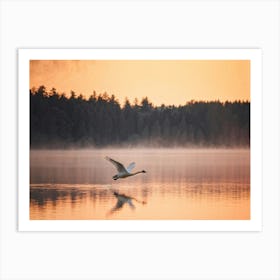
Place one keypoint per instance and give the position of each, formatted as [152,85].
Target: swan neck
[137,172]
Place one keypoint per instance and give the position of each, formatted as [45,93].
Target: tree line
[58,121]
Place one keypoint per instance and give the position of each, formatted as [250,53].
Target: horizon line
[107,96]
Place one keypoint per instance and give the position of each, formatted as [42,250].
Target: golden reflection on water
[179,184]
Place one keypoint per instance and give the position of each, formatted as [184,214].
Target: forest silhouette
[58,121]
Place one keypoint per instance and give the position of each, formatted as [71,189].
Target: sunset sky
[163,81]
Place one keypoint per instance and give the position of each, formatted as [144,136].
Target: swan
[122,199]
[122,171]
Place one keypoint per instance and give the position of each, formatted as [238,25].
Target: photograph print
[139,139]
[142,139]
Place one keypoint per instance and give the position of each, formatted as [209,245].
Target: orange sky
[163,81]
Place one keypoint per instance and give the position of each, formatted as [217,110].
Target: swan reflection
[123,199]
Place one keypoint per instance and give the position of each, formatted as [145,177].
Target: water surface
[197,184]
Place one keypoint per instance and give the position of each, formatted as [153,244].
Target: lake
[192,184]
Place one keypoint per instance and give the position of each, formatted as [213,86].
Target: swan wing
[118,206]
[117,164]
[131,204]
[130,166]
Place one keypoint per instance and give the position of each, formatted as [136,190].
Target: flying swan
[122,171]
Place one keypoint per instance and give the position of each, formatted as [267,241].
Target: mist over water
[179,184]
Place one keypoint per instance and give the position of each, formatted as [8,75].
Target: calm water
[179,184]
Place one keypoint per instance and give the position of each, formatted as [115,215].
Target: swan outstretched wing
[130,166]
[117,207]
[131,204]
[117,164]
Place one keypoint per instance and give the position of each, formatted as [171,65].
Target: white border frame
[254,224]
